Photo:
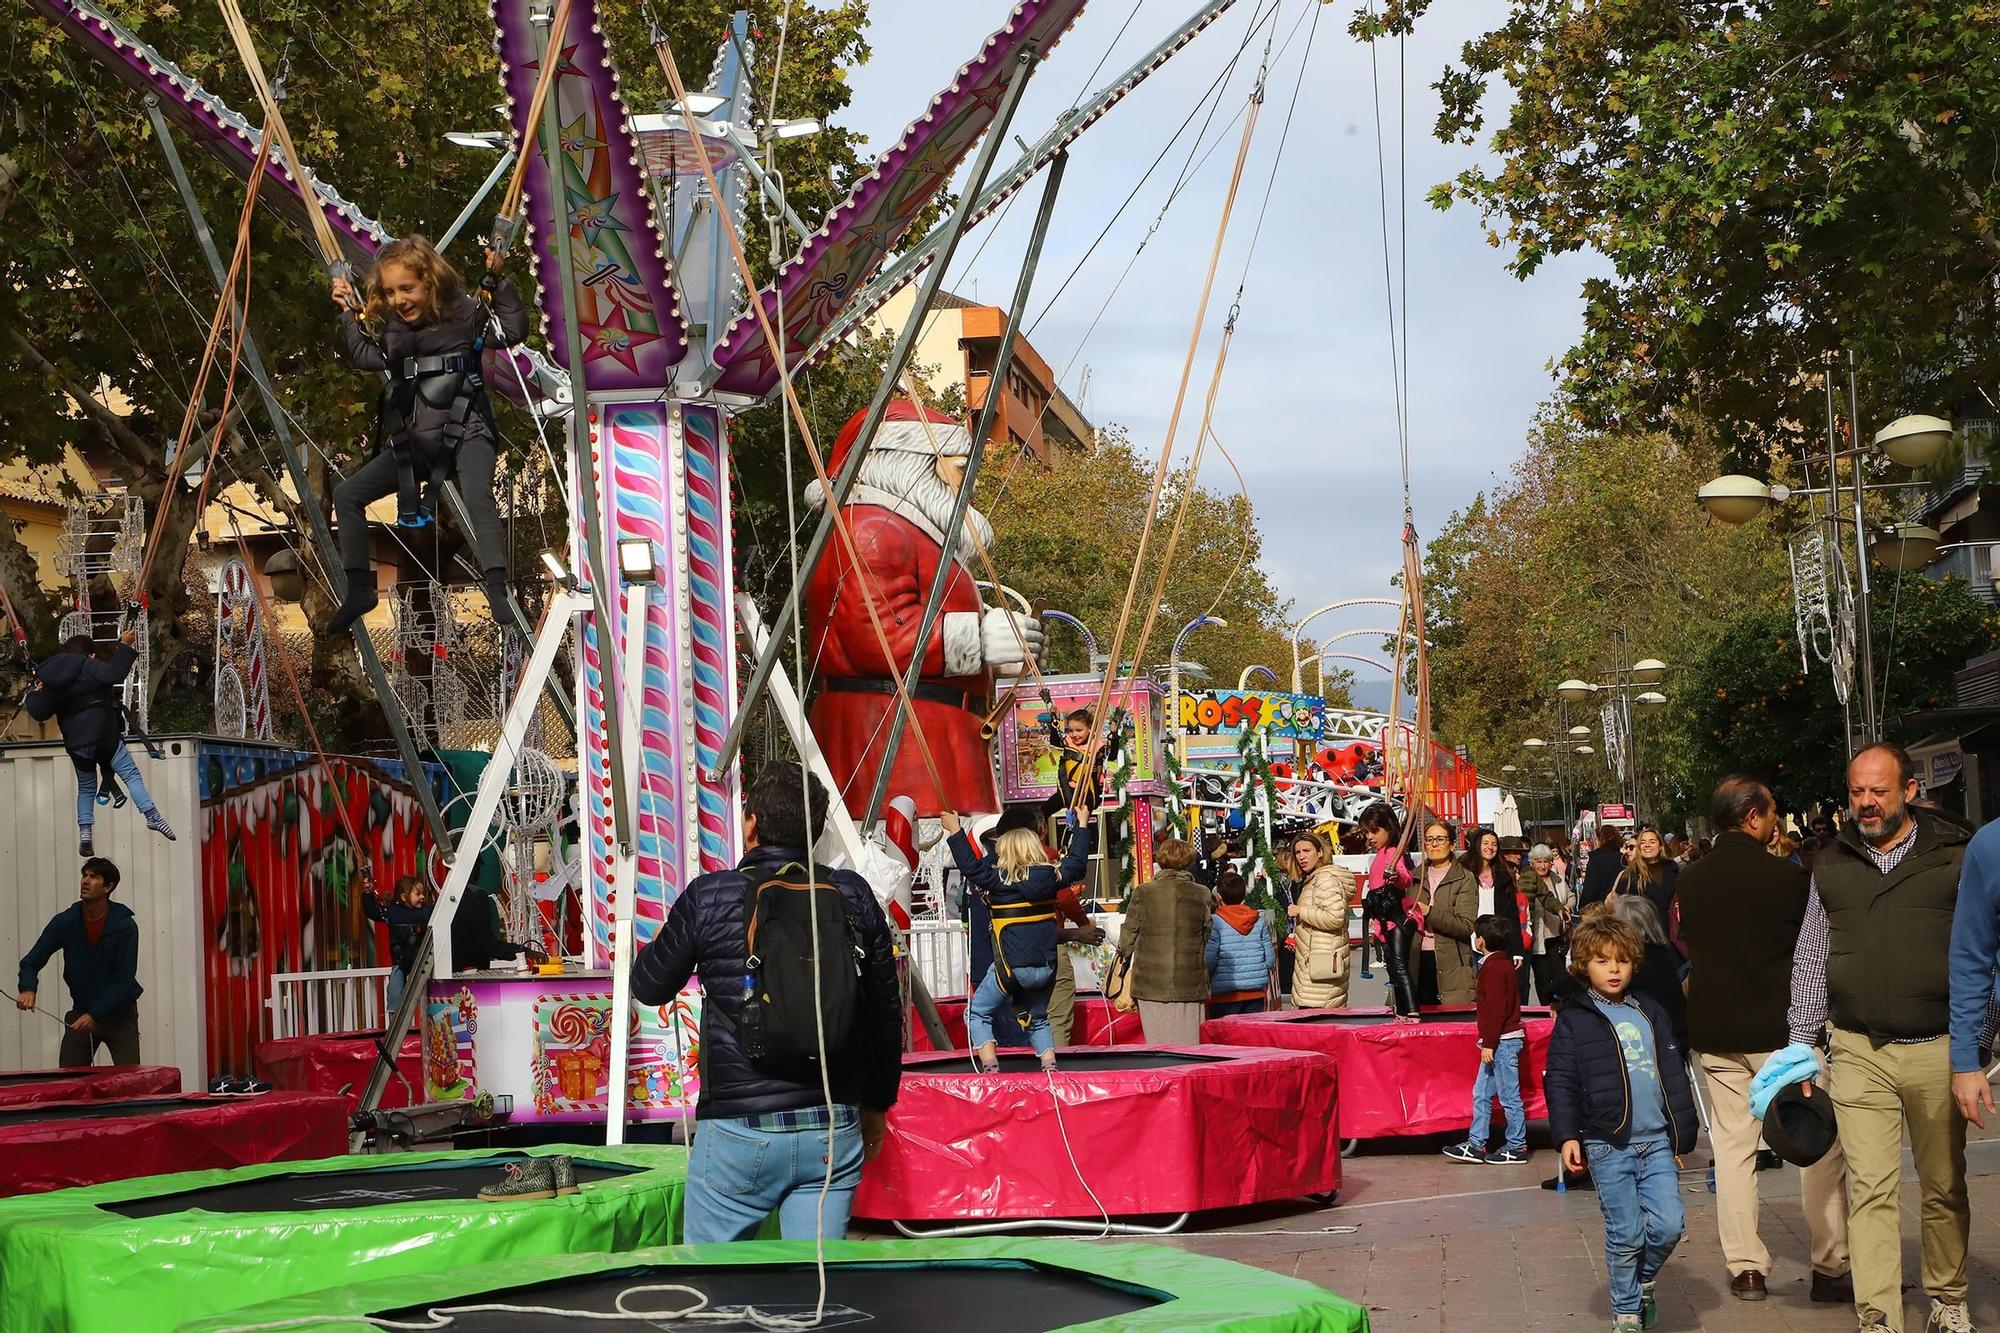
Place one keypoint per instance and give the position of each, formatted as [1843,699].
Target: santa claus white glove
[1002,633]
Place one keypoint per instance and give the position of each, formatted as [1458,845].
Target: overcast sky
[1306,405]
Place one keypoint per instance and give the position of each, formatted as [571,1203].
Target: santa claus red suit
[897,514]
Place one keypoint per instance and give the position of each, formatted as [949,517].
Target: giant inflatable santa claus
[897,513]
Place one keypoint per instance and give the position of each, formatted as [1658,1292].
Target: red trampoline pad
[28,1087]
[57,1145]
[1154,1130]
[1096,1023]
[333,1061]
[1395,1078]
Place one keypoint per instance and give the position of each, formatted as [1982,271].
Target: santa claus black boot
[360,600]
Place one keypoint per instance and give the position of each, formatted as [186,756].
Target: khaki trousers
[1171,1023]
[1877,1092]
[1733,1133]
[1062,1000]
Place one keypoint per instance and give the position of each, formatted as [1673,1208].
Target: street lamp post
[1629,687]
[1174,671]
[1910,441]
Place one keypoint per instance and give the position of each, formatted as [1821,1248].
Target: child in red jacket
[1502,1040]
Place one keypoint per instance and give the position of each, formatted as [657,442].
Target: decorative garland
[1253,748]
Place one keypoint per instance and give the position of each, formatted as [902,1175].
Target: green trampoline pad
[989,1285]
[160,1250]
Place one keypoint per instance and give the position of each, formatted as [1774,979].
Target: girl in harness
[423,333]
[1019,884]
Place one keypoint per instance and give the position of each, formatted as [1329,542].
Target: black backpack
[778,1031]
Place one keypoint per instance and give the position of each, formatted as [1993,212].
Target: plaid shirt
[1807,1018]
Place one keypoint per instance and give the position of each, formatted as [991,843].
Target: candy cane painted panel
[711,630]
[633,333]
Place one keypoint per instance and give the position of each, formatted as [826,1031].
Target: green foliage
[1754,709]
[1767,181]
[1589,534]
[1070,533]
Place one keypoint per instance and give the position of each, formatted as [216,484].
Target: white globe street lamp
[1648,671]
[1914,441]
[1650,699]
[1905,546]
[1734,499]
[1575,691]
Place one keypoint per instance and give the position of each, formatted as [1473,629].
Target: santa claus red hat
[903,430]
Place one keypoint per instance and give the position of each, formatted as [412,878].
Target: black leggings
[1397,955]
[377,477]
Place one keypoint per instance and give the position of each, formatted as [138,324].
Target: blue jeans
[127,770]
[1639,1189]
[393,993]
[1228,1008]
[991,1008]
[739,1171]
[1500,1076]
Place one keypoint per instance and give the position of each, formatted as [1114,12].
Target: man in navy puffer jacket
[1618,1093]
[762,1142]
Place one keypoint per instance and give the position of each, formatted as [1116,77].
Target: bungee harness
[1001,916]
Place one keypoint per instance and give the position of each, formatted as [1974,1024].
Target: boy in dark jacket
[762,1140]
[1618,1094]
[99,942]
[1501,1042]
[80,691]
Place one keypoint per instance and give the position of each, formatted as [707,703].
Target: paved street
[1444,1246]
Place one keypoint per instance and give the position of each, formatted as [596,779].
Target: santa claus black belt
[937,694]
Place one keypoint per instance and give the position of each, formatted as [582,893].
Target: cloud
[1308,402]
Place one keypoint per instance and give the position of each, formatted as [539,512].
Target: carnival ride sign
[1028,761]
[1210,722]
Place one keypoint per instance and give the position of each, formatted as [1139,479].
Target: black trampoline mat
[346,1191]
[41,1076]
[959,1297]
[1071,1062]
[111,1110]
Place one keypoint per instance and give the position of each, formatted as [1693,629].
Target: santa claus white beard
[913,479]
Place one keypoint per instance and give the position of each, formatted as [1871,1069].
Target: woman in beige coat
[1319,925]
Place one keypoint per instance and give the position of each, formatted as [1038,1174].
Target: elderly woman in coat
[1165,940]
[1319,925]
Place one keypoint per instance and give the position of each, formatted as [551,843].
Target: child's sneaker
[1464,1152]
[1506,1157]
[84,847]
[1649,1306]
[533,1179]
[158,823]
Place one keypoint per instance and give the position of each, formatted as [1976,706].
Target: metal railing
[940,955]
[306,1004]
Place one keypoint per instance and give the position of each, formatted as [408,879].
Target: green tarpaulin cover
[1198,1293]
[69,1263]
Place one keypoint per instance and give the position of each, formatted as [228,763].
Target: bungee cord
[1167,447]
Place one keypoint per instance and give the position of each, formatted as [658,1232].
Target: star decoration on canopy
[616,338]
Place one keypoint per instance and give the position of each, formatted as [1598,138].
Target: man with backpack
[801,1048]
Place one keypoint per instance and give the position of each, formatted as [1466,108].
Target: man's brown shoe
[1748,1285]
[1833,1290]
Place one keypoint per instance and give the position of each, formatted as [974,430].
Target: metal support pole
[781,626]
[322,532]
[478,198]
[746,153]
[1871,721]
[598,576]
[954,530]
